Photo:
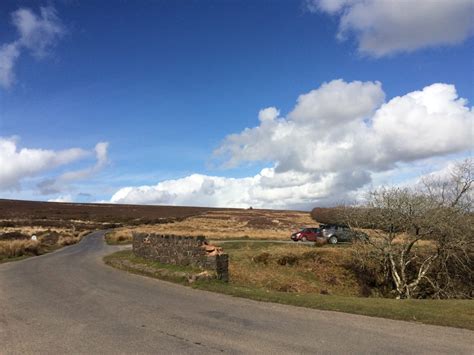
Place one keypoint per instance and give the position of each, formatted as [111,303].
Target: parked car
[330,233]
[307,234]
[335,233]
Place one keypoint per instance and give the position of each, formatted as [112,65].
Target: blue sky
[162,85]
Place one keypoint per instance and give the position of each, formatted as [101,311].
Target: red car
[308,234]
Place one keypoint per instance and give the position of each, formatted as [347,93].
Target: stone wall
[182,250]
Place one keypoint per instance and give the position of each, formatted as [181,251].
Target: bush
[332,215]
[346,215]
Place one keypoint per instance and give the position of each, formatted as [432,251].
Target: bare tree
[438,212]
[453,274]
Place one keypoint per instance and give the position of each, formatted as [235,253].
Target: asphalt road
[71,302]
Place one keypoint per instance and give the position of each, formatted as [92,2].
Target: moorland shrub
[287,259]
[13,236]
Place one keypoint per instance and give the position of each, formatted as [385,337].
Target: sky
[270,104]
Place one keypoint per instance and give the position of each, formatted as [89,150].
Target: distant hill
[111,213]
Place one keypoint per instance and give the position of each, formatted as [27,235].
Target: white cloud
[330,6]
[8,55]
[344,126]
[382,27]
[327,148]
[19,163]
[423,124]
[338,102]
[62,198]
[268,114]
[101,156]
[56,185]
[291,142]
[37,33]
[266,189]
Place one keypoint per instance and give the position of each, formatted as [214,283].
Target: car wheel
[333,240]
[304,239]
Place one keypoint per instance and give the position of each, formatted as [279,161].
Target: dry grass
[235,224]
[377,235]
[35,230]
[47,240]
[68,240]
[115,237]
[292,268]
[17,248]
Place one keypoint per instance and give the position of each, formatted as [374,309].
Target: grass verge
[126,260]
[17,258]
[19,252]
[453,313]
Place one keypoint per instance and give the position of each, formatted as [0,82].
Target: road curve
[71,302]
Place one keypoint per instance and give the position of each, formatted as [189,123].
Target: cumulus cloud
[267,189]
[56,185]
[37,34]
[382,27]
[346,126]
[326,149]
[268,114]
[290,142]
[19,163]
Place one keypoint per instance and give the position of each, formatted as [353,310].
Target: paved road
[70,302]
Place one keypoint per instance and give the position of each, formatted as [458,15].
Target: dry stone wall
[181,250]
